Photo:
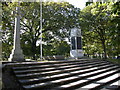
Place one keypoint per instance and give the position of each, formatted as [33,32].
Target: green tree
[95,21]
[115,35]
[7,30]
[58,19]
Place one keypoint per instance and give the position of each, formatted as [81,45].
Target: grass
[117,61]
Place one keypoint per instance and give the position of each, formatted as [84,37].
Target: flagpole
[41,29]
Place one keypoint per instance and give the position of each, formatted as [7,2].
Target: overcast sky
[77,3]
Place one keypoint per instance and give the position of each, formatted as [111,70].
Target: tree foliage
[57,19]
[100,24]
[98,28]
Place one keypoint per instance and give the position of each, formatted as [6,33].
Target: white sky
[77,3]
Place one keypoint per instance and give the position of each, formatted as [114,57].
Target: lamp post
[17,54]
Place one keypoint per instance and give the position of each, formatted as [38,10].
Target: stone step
[115,84]
[35,70]
[99,82]
[42,63]
[26,67]
[99,78]
[58,75]
[63,75]
[84,82]
[56,71]
[64,81]
[110,81]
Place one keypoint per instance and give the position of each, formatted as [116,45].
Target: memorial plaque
[79,44]
[73,43]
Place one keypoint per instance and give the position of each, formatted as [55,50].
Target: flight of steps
[67,75]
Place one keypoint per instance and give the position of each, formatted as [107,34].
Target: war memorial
[76,73]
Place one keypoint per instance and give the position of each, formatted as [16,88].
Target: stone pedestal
[17,54]
[76,43]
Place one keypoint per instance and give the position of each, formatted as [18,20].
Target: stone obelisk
[17,54]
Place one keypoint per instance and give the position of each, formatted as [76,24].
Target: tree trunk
[104,49]
[33,49]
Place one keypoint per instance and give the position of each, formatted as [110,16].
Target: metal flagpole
[41,29]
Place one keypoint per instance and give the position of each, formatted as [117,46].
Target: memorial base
[16,55]
[76,54]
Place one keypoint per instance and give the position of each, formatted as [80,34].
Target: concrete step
[53,64]
[35,70]
[67,81]
[78,85]
[102,81]
[57,71]
[63,75]
[108,82]
[84,82]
